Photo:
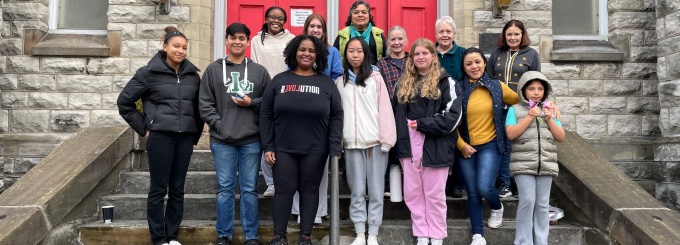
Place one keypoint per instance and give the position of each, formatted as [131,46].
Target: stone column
[668,147]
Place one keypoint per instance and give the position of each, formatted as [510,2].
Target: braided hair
[265,27]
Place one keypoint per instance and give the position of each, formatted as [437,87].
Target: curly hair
[321,61]
[408,85]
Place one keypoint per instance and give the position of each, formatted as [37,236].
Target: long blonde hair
[408,84]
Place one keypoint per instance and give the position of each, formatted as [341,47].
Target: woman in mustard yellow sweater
[482,139]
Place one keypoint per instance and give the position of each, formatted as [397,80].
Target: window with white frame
[579,19]
[78,16]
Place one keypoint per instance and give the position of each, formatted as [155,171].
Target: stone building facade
[621,101]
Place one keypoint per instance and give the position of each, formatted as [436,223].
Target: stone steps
[197,182]
[392,232]
[202,207]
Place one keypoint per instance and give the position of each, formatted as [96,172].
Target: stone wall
[46,99]
[668,147]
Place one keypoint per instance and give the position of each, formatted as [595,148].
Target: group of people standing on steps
[449,117]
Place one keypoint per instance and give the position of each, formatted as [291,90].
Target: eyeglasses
[276,18]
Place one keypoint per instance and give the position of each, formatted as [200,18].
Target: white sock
[372,236]
[361,235]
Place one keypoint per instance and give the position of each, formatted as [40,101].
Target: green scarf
[366,35]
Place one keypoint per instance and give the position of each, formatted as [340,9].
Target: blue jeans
[504,174]
[479,174]
[228,160]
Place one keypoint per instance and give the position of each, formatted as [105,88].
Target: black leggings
[301,173]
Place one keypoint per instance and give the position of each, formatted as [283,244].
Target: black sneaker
[222,241]
[304,240]
[278,240]
[252,242]
[504,191]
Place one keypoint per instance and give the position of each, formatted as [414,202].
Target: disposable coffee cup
[107,212]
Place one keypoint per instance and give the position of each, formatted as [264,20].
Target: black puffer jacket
[439,127]
[170,100]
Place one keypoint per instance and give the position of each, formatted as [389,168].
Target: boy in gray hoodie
[229,101]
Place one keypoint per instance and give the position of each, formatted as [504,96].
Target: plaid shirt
[391,72]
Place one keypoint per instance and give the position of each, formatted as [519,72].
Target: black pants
[301,173]
[169,155]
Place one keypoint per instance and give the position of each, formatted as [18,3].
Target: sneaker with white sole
[478,239]
[359,241]
[318,220]
[269,192]
[173,242]
[436,241]
[496,218]
[423,241]
[504,191]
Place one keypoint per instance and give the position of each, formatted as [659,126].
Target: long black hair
[265,27]
[348,22]
[365,69]
[321,49]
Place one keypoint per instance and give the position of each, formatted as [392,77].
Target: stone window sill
[587,50]
[40,43]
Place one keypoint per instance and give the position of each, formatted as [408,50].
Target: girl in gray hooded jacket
[533,130]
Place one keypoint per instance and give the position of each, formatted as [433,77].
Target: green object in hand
[139,106]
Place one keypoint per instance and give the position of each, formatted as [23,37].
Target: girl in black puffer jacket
[168,88]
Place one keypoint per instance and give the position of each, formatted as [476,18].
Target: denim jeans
[504,173]
[244,159]
[479,174]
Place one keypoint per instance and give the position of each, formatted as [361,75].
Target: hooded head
[529,78]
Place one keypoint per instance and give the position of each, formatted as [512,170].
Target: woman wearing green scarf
[360,24]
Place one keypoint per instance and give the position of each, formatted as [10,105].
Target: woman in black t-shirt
[300,125]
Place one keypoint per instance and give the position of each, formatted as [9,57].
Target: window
[78,16]
[579,19]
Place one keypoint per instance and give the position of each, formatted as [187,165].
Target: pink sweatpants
[424,191]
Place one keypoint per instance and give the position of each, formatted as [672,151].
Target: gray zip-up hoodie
[229,123]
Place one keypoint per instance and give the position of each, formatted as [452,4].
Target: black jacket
[439,127]
[170,100]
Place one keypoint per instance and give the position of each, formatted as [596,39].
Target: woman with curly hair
[427,111]
[300,125]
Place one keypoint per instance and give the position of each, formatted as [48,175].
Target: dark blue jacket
[494,87]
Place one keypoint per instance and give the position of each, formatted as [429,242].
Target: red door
[417,18]
[298,10]
[251,13]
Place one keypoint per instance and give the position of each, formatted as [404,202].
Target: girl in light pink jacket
[368,134]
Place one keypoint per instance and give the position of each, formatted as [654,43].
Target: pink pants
[424,191]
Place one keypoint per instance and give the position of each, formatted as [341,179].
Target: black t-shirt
[301,114]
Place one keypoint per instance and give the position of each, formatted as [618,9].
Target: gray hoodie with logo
[229,123]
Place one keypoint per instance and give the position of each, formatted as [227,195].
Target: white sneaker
[423,241]
[298,219]
[496,218]
[478,239]
[359,241]
[436,241]
[269,192]
[173,242]
[317,220]
[372,240]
